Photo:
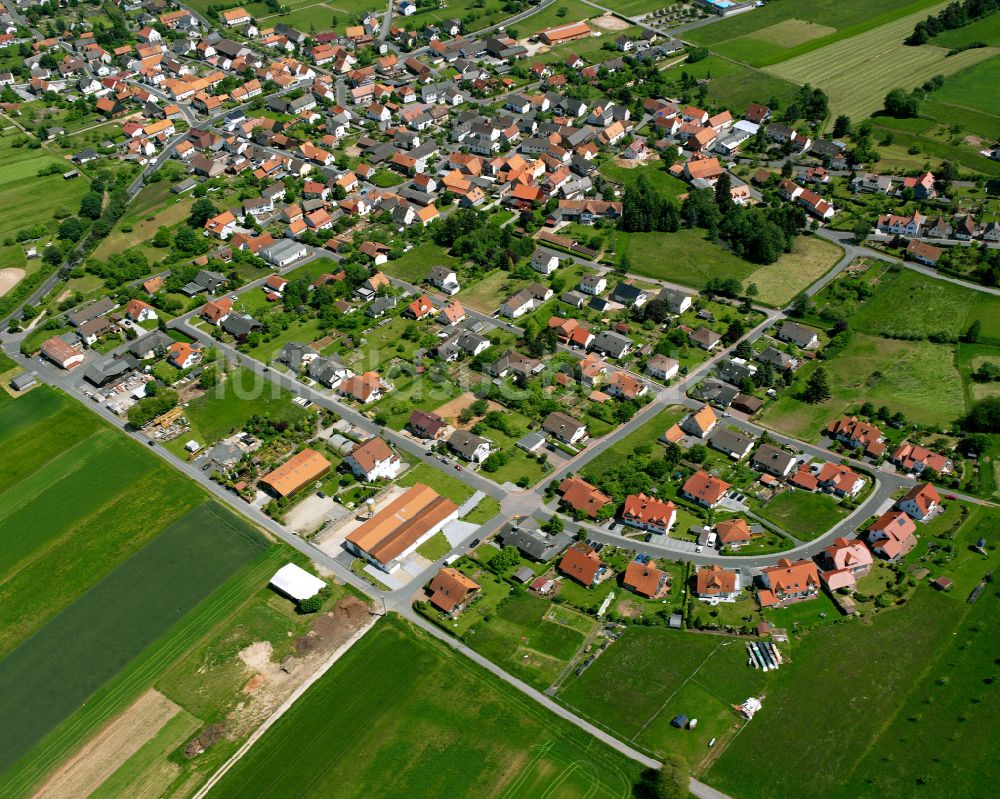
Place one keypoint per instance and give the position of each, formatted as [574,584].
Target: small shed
[22,382]
[942,583]
[676,620]
[524,575]
[296,583]
[679,721]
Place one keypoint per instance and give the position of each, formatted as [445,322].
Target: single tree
[817,387]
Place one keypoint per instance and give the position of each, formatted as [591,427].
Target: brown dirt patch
[609,22]
[451,409]
[9,278]
[974,141]
[269,684]
[628,609]
[105,752]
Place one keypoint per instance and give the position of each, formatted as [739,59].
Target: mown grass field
[646,434]
[650,675]
[925,722]
[402,715]
[415,265]
[880,55]
[656,173]
[527,640]
[19,179]
[684,257]
[846,16]
[811,258]
[806,516]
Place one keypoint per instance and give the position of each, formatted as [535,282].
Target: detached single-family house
[920,502]
[374,460]
[469,446]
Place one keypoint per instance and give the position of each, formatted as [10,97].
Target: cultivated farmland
[402,715]
[49,677]
[885,63]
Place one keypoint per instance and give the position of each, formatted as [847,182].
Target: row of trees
[955,15]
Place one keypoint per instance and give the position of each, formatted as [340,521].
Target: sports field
[890,708]
[651,675]
[403,715]
[881,57]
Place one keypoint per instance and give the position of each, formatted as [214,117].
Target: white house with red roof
[649,513]
[139,311]
[921,502]
[892,535]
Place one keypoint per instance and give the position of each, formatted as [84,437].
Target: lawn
[227,407]
[444,484]
[915,377]
[56,671]
[483,512]
[650,675]
[803,514]
[686,257]
[646,434]
[418,744]
[984,30]
[487,294]
[881,56]
[435,547]
[925,721]
[531,638]
[811,258]
[964,90]
[417,393]
[656,173]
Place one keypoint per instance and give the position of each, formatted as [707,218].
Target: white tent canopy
[296,582]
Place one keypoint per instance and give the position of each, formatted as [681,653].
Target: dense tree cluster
[469,235]
[644,210]
[955,15]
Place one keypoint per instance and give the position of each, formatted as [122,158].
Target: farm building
[296,473]
[296,583]
[400,527]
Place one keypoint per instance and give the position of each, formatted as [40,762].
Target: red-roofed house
[216,311]
[649,513]
[914,458]
[788,582]
[839,480]
[139,311]
[645,579]
[704,489]
[920,502]
[892,535]
[858,434]
[582,496]
[733,533]
[850,554]
[582,563]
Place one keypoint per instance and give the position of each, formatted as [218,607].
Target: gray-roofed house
[564,427]
[533,542]
[629,295]
[611,344]
[328,371]
[797,334]
[772,460]
[294,355]
[470,446]
[155,343]
[91,311]
[240,326]
[730,442]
